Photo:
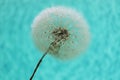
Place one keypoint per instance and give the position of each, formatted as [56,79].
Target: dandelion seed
[61,32]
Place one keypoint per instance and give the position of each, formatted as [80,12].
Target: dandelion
[61,32]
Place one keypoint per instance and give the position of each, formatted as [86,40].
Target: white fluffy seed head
[61,17]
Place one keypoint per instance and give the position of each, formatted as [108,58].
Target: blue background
[18,54]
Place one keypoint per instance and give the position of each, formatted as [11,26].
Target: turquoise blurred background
[18,54]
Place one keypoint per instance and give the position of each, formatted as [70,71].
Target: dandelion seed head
[64,24]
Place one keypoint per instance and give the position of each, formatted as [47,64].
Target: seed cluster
[60,35]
